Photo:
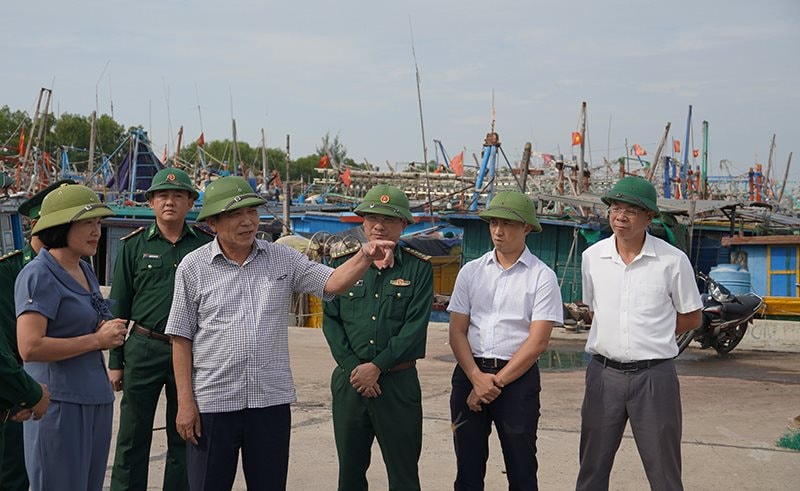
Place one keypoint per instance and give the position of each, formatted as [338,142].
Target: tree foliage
[72,133]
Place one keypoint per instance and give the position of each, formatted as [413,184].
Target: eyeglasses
[374,218]
[626,212]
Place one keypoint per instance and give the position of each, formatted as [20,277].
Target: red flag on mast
[676,146]
[346,177]
[695,152]
[324,161]
[638,150]
[577,139]
[201,142]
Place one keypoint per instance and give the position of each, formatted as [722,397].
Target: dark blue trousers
[261,434]
[515,415]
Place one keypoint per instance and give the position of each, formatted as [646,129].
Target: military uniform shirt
[384,317]
[16,386]
[144,278]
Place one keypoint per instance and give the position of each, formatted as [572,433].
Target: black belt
[490,362]
[403,366]
[629,366]
[151,334]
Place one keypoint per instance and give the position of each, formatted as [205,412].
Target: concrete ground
[735,408]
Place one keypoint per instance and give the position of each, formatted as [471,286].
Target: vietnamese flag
[577,139]
[324,161]
[457,164]
[695,152]
[201,142]
[346,177]
[638,150]
[22,141]
[676,146]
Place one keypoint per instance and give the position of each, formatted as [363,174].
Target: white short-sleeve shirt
[502,303]
[636,305]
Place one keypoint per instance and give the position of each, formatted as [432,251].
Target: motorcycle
[725,318]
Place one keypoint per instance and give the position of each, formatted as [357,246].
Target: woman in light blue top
[63,324]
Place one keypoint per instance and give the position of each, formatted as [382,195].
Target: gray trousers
[651,400]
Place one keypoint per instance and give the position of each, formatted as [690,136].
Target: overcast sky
[309,67]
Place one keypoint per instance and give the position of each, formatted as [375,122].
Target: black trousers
[261,434]
[515,414]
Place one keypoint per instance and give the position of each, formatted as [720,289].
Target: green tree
[10,125]
[72,130]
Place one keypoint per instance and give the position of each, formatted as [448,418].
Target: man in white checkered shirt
[229,327]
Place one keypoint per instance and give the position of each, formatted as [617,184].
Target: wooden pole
[178,150]
[582,161]
[92,137]
[785,177]
[526,163]
[286,193]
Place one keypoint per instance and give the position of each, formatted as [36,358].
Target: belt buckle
[629,367]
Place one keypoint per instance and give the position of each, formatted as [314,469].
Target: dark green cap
[514,206]
[171,178]
[634,191]
[31,206]
[69,203]
[385,200]
[227,194]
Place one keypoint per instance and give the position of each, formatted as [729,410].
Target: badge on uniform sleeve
[400,282]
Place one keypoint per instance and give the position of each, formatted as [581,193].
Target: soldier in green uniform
[144,277]
[17,388]
[376,331]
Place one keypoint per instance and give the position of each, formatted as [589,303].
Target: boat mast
[785,177]
[264,158]
[286,190]
[685,155]
[767,175]
[421,124]
[235,149]
[704,163]
[92,137]
[583,185]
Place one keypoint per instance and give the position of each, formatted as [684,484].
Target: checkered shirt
[237,319]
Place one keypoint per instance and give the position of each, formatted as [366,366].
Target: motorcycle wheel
[684,339]
[729,339]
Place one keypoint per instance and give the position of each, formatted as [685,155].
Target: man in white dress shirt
[502,310]
[642,292]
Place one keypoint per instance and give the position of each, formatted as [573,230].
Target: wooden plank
[762,240]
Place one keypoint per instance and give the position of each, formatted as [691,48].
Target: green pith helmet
[31,206]
[69,203]
[227,194]
[171,178]
[512,205]
[634,191]
[385,200]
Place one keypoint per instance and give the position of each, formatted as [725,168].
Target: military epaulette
[345,252]
[11,254]
[138,230]
[417,254]
[201,229]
